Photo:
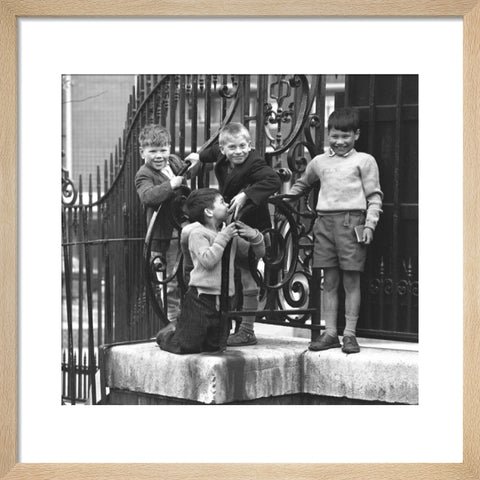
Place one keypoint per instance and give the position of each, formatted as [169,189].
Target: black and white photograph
[229,283]
[240,239]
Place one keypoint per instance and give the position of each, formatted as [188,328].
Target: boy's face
[342,142]
[219,209]
[236,149]
[155,156]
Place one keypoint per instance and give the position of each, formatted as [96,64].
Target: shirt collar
[331,153]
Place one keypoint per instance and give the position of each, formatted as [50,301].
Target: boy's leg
[217,332]
[331,282]
[191,329]
[173,293]
[246,334]
[351,284]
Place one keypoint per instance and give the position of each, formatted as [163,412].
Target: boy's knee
[351,280]
[331,279]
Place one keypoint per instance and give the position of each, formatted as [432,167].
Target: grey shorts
[335,242]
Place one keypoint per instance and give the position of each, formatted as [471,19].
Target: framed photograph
[401,47]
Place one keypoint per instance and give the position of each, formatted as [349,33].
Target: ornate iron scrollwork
[294,113]
[227,91]
[69,193]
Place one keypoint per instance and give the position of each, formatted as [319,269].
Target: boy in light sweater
[349,196]
[199,327]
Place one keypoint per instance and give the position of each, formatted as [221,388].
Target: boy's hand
[194,158]
[230,230]
[176,182]
[237,202]
[245,231]
[367,235]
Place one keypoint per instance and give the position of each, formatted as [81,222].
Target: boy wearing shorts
[349,197]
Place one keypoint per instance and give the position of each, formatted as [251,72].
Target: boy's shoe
[350,344]
[242,338]
[324,343]
[166,331]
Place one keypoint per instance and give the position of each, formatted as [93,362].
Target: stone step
[274,368]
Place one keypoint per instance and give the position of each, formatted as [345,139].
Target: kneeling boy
[199,327]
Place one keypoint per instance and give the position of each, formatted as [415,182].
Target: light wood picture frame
[11,11]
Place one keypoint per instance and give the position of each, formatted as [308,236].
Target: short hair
[153,135]
[233,129]
[198,201]
[345,119]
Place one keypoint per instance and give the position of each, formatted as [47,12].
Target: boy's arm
[373,193]
[258,245]
[150,194]
[249,236]
[208,254]
[211,154]
[262,182]
[305,181]
[188,167]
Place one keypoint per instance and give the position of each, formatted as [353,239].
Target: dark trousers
[199,328]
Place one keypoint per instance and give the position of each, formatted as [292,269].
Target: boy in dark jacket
[246,181]
[156,182]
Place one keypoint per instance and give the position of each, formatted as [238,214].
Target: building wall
[98,116]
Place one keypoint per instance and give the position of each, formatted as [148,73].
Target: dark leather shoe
[324,343]
[350,344]
[241,338]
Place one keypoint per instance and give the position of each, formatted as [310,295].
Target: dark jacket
[154,189]
[254,177]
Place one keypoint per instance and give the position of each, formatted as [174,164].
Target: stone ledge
[269,369]
[276,367]
[373,374]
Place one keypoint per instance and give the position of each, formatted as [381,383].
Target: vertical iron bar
[64,374]
[108,297]
[347,98]
[245,103]
[88,274]
[208,94]
[223,100]
[83,369]
[260,140]
[112,174]
[194,121]
[224,291]
[320,112]
[68,291]
[172,112]
[74,373]
[368,319]
[396,203]
[408,326]
[127,273]
[181,139]
[81,267]
[99,262]
[381,293]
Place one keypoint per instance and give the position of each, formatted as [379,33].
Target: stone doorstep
[274,367]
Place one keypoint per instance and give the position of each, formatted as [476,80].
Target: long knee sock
[250,302]
[350,325]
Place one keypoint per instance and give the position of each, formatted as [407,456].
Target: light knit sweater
[346,183]
[206,249]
